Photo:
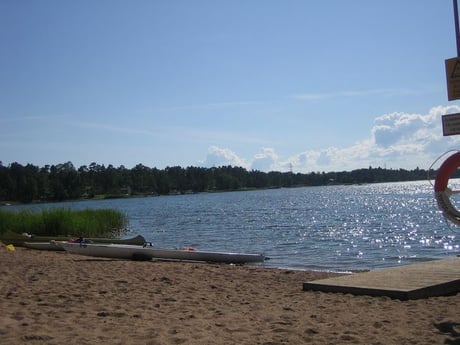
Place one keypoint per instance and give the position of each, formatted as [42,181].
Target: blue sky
[268,85]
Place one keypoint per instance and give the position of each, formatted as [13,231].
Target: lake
[326,228]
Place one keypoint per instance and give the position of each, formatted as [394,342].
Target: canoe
[51,245]
[134,252]
[19,239]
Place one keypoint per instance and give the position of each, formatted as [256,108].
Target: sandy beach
[59,298]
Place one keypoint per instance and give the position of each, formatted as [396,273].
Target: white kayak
[51,245]
[109,250]
[121,251]
[199,255]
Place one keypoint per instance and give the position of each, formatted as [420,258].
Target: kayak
[206,256]
[121,251]
[115,251]
[19,239]
[51,245]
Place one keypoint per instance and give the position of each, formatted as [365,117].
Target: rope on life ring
[442,192]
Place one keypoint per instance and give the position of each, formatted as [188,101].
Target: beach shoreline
[57,298]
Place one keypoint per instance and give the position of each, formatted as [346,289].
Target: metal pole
[457,29]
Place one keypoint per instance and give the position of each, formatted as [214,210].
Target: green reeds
[65,222]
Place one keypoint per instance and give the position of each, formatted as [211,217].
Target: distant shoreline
[29,184]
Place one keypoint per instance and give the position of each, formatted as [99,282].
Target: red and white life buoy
[442,192]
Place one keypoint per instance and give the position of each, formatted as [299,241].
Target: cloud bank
[396,140]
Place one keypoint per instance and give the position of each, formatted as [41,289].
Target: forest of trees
[60,182]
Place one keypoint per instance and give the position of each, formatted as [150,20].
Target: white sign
[451,124]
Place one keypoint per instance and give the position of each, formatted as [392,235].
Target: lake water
[326,228]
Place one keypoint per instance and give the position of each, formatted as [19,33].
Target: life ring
[442,192]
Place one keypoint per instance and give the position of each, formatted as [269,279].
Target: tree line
[30,183]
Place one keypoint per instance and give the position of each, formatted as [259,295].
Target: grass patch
[65,222]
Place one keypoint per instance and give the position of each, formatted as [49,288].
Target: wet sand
[59,298]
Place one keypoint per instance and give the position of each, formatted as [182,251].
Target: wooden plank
[423,280]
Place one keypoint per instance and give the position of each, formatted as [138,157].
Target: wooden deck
[428,279]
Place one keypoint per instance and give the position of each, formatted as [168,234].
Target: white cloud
[403,128]
[265,161]
[217,157]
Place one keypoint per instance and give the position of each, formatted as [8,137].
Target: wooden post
[457,30]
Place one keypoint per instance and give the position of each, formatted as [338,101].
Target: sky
[269,85]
